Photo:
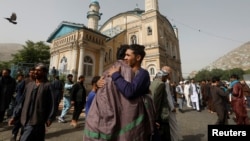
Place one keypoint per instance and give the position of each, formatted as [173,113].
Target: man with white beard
[174,128]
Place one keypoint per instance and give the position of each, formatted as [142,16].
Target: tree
[202,75]
[237,71]
[223,74]
[226,75]
[4,65]
[217,72]
[32,53]
[247,71]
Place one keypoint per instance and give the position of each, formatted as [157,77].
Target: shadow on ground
[65,131]
[198,137]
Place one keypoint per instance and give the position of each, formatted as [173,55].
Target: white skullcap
[161,73]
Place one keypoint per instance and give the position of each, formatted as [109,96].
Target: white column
[56,59]
[51,60]
[81,59]
[73,62]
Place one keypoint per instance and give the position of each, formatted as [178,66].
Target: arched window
[110,54]
[133,39]
[88,66]
[152,71]
[63,65]
[149,30]
[167,49]
[105,57]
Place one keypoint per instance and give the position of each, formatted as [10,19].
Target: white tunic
[194,95]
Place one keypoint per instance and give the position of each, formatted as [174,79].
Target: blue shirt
[90,98]
[139,85]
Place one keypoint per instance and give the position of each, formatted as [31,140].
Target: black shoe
[13,138]
[198,110]
[181,110]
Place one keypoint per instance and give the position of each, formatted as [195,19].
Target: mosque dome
[95,1]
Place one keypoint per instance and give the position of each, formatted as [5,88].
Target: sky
[208,29]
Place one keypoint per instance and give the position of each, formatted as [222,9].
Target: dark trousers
[222,116]
[156,136]
[11,108]
[58,97]
[2,113]
[17,126]
[33,133]
[165,132]
[78,106]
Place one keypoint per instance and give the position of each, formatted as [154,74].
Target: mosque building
[88,50]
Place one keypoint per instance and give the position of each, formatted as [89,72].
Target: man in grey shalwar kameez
[174,128]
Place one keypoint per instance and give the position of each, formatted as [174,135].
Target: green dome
[94,1]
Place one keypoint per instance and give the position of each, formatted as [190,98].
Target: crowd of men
[123,103]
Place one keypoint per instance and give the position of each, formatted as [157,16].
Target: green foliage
[4,65]
[202,75]
[237,71]
[216,72]
[63,77]
[247,71]
[226,75]
[33,53]
[223,74]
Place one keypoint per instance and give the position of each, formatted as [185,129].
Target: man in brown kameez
[238,101]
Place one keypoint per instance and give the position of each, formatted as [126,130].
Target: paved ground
[193,127]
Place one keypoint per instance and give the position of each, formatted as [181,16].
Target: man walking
[19,90]
[57,88]
[180,95]
[7,90]
[37,108]
[78,99]
[66,98]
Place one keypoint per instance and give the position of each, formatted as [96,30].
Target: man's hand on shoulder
[114,69]
[101,82]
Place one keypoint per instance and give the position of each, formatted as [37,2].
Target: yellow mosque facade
[88,50]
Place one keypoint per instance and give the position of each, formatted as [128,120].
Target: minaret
[93,15]
[176,31]
[151,5]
